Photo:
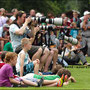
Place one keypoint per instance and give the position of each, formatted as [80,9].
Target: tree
[45,6]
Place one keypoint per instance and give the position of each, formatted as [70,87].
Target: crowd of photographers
[48,43]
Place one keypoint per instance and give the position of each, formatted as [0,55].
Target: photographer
[85,25]
[18,30]
[4,35]
[73,54]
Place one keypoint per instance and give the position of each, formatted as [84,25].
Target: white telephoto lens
[58,21]
[74,41]
[47,20]
[71,40]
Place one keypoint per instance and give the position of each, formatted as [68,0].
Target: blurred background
[55,7]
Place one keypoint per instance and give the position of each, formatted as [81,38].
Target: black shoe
[40,82]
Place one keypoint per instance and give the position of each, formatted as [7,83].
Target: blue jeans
[64,62]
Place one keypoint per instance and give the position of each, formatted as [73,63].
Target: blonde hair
[25,41]
[9,56]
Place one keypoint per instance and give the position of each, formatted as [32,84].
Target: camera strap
[17,24]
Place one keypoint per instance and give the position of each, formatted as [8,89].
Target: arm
[12,80]
[88,27]
[66,83]
[22,29]
[22,57]
[33,33]
[84,26]
[4,39]
[72,79]
[30,60]
[67,52]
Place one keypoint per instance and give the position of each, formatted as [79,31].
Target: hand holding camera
[28,20]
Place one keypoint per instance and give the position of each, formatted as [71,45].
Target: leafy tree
[44,6]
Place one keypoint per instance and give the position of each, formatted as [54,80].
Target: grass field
[81,74]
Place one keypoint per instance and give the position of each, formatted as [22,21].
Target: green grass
[81,74]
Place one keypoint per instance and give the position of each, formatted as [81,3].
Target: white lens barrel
[71,40]
[58,21]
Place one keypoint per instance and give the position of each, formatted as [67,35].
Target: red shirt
[1,64]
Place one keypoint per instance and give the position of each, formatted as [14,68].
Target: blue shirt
[74,33]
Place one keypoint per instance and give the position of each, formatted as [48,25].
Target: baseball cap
[6,25]
[86,13]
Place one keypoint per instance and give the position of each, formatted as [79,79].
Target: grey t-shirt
[16,39]
[87,32]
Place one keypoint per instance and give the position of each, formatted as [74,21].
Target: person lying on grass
[6,73]
[67,75]
[59,70]
[54,79]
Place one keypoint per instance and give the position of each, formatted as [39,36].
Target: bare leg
[52,85]
[36,67]
[37,55]
[30,83]
[47,82]
[44,57]
[48,61]
[55,57]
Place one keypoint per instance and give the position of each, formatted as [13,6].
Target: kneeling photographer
[73,54]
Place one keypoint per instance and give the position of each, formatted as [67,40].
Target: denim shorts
[28,68]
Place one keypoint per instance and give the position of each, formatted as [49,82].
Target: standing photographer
[85,25]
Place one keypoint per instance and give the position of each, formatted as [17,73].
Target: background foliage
[44,6]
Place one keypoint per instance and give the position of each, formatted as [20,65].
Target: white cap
[39,14]
[76,11]
[6,25]
[86,13]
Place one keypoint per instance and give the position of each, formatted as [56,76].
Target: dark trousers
[79,56]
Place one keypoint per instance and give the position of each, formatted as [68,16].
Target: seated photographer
[18,30]
[73,55]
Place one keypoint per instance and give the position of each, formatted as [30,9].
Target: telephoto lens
[39,19]
[71,40]
[56,21]
[50,27]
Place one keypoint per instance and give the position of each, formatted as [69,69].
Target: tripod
[62,33]
[63,50]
